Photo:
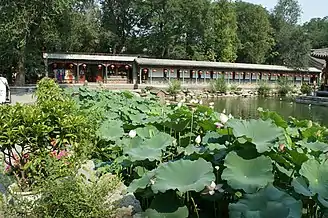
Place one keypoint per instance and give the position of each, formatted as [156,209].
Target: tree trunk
[20,77]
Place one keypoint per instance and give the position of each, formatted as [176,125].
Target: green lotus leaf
[142,182]
[172,202]
[324,202]
[212,137]
[147,132]
[267,203]
[249,175]
[181,212]
[315,146]
[150,149]
[317,175]
[261,133]
[111,130]
[301,187]
[183,175]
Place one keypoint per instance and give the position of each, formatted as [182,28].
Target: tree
[317,30]
[21,24]
[292,44]
[221,32]
[254,33]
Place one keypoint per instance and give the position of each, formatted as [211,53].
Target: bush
[284,86]
[80,194]
[306,88]
[219,85]
[174,87]
[264,89]
[35,136]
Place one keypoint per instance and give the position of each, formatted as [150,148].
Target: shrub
[306,88]
[264,89]
[79,194]
[219,85]
[34,136]
[174,87]
[284,86]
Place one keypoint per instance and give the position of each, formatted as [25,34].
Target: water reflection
[247,108]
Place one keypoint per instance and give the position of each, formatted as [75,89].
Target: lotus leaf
[301,187]
[142,182]
[147,132]
[150,149]
[317,175]
[111,130]
[183,175]
[181,212]
[249,175]
[261,133]
[315,146]
[267,203]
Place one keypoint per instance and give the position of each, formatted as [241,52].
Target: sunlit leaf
[249,175]
[262,134]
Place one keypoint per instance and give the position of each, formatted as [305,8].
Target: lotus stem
[195,206]
[191,127]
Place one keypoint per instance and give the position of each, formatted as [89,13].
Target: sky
[311,8]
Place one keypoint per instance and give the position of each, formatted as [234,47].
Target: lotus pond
[195,162]
[247,108]
[186,161]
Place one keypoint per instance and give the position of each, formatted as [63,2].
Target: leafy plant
[219,85]
[284,86]
[34,136]
[306,88]
[264,89]
[174,87]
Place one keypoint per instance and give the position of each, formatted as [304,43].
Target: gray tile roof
[87,57]
[217,65]
[321,53]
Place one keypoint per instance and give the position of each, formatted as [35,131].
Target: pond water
[247,108]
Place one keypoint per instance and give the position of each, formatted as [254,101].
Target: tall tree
[20,25]
[221,32]
[292,44]
[317,30]
[254,33]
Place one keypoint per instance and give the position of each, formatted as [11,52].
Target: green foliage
[284,86]
[306,88]
[73,197]
[36,136]
[292,42]
[254,33]
[174,87]
[219,85]
[264,89]
[177,155]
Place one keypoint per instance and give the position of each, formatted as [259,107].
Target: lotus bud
[282,147]
[213,185]
[224,118]
[200,102]
[218,125]
[212,107]
[132,133]
[224,111]
[152,181]
[217,167]
[230,116]
[179,104]
[211,103]
[198,140]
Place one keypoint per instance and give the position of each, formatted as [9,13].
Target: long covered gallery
[77,68]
